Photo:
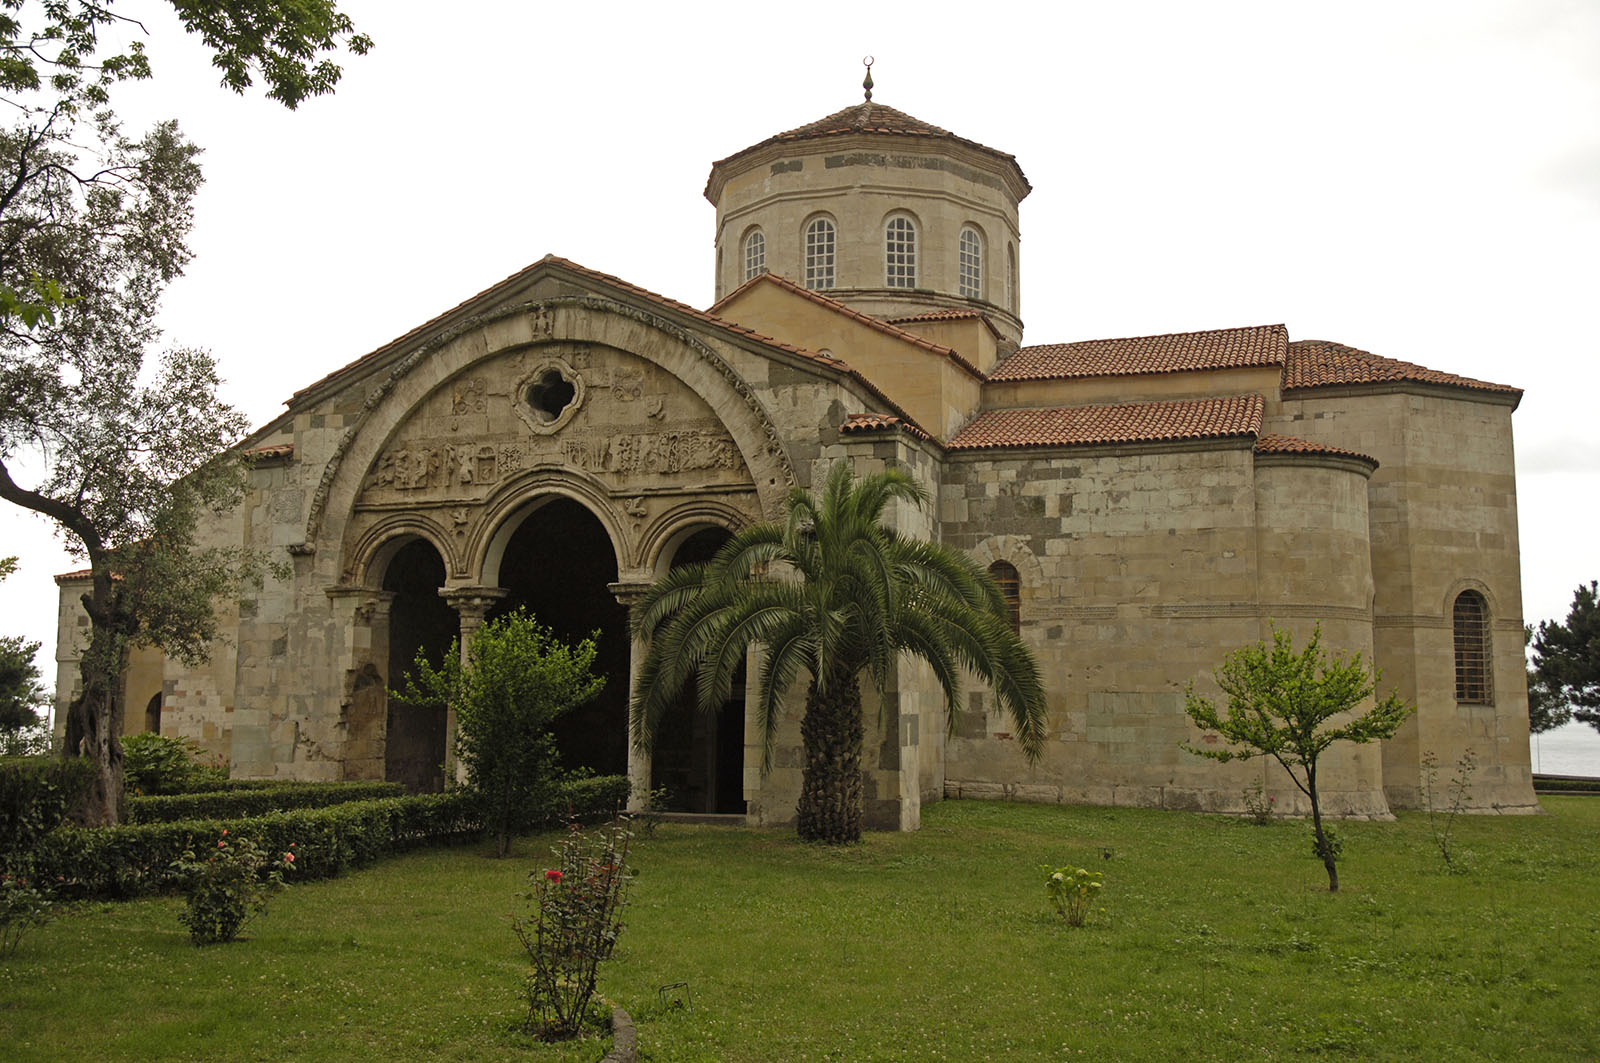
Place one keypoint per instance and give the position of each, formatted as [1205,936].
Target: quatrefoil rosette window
[549,396]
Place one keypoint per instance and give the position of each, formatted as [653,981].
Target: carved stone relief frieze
[651,453]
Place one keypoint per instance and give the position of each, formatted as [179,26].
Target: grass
[1218,941]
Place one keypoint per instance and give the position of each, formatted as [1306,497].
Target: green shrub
[1571,786]
[23,906]
[158,764]
[133,859]
[255,801]
[36,794]
[227,885]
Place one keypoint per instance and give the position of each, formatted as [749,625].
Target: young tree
[836,593]
[93,225]
[1566,656]
[518,678]
[1283,704]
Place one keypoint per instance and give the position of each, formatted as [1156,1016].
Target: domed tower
[882,211]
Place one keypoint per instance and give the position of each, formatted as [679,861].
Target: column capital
[472,601]
[629,593]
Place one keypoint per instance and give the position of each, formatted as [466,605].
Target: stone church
[1146,504]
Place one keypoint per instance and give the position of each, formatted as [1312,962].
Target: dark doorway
[557,565]
[699,759]
[419,621]
[152,715]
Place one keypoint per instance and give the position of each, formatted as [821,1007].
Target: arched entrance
[559,564]
[696,758]
[419,621]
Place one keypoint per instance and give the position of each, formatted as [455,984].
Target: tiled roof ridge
[876,323]
[1326,363]
[1233,416]
[938,315]
[1246,346]
[1272,443]
[872,118]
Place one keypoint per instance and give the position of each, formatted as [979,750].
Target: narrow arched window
[1470,621]
[1009,581]
[755,255]
[1011,277]
[971,261]
[820,237]
[900,253]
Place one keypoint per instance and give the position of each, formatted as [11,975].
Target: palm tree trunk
[830,794]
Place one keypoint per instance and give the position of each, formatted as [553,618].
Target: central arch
[557,562]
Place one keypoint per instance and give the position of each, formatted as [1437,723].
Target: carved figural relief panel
[600,411]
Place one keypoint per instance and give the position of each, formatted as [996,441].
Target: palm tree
[835,592]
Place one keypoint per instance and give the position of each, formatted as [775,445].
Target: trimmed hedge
[126,861]
[1545,785]
[36,794]
[256,801]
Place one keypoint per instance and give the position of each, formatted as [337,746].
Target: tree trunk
[94,726]
[1324,848]
[831,795]
[94,718]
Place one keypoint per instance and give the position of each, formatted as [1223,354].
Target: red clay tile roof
[82,573]
[874,119]
[1322,363]
[876,324]
[937,315]
[865,423]
[1271,444]
[1140,422]
[1176,352]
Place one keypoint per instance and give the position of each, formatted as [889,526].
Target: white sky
[1416,179]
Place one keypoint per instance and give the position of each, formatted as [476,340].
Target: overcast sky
[1420,180]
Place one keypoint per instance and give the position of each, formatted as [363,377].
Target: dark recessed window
[1470,621]
[1010,582]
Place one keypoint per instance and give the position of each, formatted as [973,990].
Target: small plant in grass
[573,927]
[1258,805]
[1442,814]
[23,906]
[227,886]
[1071,891]
[651,804]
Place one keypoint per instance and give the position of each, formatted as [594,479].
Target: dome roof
[870,119]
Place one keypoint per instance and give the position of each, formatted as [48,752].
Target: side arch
[662,539]
[371,553]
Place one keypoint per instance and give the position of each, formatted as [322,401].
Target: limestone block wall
[1443,519]
[1139,570]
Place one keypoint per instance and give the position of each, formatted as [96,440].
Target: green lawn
[1218,941]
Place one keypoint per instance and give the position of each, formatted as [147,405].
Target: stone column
[472,605]
[630,593]
[361,622]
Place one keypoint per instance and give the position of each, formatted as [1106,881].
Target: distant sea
[1572,749]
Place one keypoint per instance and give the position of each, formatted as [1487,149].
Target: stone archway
[415,736]
[697,759]
[558,563]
